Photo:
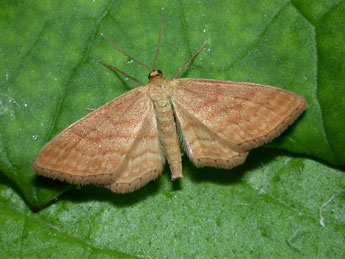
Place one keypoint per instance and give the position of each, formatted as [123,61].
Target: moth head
[155,73]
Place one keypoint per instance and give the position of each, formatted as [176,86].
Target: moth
[123,144]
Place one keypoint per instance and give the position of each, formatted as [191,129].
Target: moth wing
[203,146]
[239,115]
[102,146]
[144,161]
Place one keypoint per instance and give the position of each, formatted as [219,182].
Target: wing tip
[230,163]
[127,187]
[279,129]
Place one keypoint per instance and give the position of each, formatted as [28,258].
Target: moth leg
[90,109]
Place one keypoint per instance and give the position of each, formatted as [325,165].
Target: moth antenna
[121,72]
[159,40]
[189,60]
[126,54]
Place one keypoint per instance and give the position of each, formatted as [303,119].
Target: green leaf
[269,207]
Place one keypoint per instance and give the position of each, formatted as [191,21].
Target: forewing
[243,115]
[96,148]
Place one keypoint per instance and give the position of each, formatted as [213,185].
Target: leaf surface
[49,74]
